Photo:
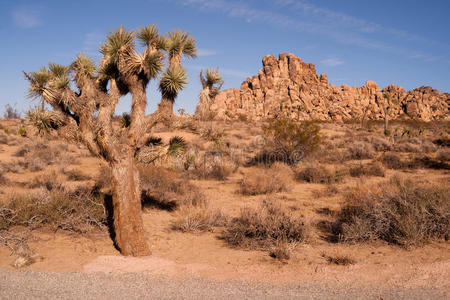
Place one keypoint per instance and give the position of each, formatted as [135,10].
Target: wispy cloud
[91,43]
[332,62]
[313,19]
[26,17]
[206,52]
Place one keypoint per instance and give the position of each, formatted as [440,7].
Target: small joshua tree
[86,114]
[177,44]
[211,83]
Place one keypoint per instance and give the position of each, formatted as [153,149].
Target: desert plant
[292,140]
[321,174]
[166,189]
[79,211]
[191,219]
[11,112]
[400,211]
[211,83]
[361,150]
[44,121]
[87,114]
[371,169]
[340,259]
[266,181]
[264,226]
[177,44]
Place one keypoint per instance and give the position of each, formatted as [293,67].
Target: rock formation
[291,88]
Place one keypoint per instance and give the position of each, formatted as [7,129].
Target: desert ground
[211,212]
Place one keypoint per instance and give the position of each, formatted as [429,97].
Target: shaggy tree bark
[88,115]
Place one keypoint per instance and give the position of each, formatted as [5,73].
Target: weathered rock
[289,87]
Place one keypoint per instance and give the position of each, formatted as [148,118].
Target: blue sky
[401,42]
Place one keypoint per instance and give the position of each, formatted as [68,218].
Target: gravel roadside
[44,285]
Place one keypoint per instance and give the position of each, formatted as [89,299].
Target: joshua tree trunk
[203,108]
[128,224]
[165,107]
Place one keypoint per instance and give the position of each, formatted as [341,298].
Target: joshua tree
[387,108]
[211,83]
[87,114]
[177,44]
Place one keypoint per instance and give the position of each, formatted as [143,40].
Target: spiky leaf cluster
[84,66]
[179,42]
[117,42]
[173,81]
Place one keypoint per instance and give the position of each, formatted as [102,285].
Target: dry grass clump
[166,189]
[329,191]
[340,259]
[266,181]
[213,165]
[264,226]
[361,150]
[443,155]
[400,211]
[37,156]
[321,174]
[75,175]
[282,250]
[394,161]
[80,211]
[192,219]
[371,169]
[48,180]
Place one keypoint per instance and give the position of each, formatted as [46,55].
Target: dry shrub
[443,155]
[321,174]
[371,169]
[3,179]
[80,211]
[282,250]
[264,226]
[76,175]
[191,219]
[361,150]
[266,181]
[166,189]
[394,161]
[38,155]
[329,191]
[340,259]
[400,211]
[48,180]
[213,165]
[291,141]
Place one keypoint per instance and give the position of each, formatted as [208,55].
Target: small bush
[11,112]
[394,161]
[329,191]
[263,227]
[443,155]
[291,141]
[168,190]
[361,150]
[372,169]
[80,211]
[191,219]
[266,181]
[282,250]
[321,174]
[399,211]
[340,260]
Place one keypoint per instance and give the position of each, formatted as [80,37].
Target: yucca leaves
[179,43]
[57,70]
[153,64]
[84,65]
[109,69]
[173,81]
[212,77]
[148,35]
[118,41]
[177,146]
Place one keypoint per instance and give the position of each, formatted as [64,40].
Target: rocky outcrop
[289,87]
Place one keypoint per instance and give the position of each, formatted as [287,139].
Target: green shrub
[292,140]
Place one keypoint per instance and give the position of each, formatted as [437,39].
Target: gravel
[40,285]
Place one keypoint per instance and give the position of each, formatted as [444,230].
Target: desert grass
[401,211]
[259,181]
[264,226]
